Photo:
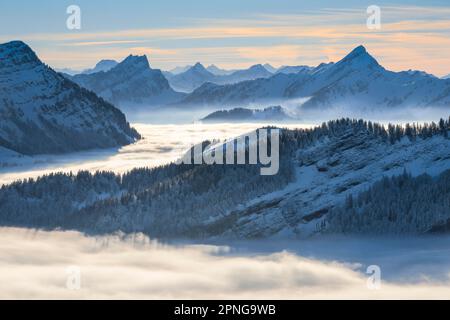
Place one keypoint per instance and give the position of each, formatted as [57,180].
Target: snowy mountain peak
[359,57]
[16,53]
[16,46]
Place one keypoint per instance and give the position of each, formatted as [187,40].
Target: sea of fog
[161,144]
[53,265]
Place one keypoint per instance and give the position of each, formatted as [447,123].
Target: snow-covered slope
[132,82]
[327,173]
[43,112]
[357,80]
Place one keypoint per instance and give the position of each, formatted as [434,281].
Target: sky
[232,34]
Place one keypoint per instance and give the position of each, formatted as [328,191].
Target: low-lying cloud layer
[161,144]
[35,264]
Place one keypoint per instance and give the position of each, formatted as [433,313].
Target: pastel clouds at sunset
[410,38]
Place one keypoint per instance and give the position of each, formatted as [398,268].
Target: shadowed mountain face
[131,82]
[43,112]
[355,81]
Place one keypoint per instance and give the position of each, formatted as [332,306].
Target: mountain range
[357,80]
[43,112]
[197,75]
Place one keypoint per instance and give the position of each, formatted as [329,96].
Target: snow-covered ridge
[42,112]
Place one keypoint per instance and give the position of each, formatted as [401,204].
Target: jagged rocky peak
[17,53]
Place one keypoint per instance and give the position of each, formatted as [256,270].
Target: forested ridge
[173,200]
[399,204]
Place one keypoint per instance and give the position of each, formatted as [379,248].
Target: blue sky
[414,34]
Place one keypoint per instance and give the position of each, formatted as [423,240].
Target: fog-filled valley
[55,265]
